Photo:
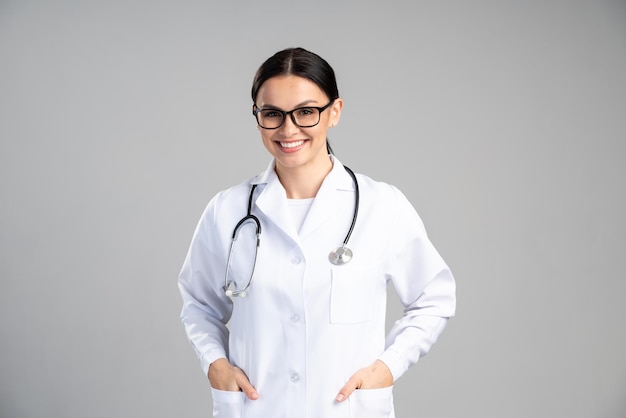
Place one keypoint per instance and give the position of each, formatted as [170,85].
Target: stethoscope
[339,256]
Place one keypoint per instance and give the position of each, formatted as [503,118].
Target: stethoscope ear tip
[231,293]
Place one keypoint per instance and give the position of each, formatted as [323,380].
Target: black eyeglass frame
[256,111]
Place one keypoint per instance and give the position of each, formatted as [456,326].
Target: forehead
[288,91]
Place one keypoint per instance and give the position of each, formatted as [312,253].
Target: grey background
[502,121]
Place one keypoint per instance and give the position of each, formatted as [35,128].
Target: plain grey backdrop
[502,121]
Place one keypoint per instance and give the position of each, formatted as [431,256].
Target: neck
[303,182]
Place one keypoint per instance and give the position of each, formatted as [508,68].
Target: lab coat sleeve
[425,287]
[206,309]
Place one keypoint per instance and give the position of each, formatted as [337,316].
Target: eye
[271,113]
[306,111]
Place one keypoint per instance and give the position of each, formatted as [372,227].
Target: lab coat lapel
[326,200]
[272,201]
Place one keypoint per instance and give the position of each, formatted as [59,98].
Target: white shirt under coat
[307,325]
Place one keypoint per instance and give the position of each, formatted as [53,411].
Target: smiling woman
[299,142]
[306,332]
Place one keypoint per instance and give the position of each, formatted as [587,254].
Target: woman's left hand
[375,376]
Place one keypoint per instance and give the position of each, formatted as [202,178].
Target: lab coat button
[296,260]
[294,318]
[295,378]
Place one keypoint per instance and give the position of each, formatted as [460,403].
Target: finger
[246,387]
[352,384]
[250,391]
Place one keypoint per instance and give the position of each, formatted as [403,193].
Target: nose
[289,128]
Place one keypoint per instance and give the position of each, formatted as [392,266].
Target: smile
[292,144]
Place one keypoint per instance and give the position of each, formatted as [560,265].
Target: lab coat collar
[337,176]
[272,199]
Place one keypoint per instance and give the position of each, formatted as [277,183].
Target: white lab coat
[307,325]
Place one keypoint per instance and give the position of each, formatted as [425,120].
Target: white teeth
[291,144]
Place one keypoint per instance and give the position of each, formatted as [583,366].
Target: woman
[306,330]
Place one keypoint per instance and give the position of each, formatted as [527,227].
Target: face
[294,147]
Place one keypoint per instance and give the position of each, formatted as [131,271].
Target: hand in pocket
[226,377]
[375,376]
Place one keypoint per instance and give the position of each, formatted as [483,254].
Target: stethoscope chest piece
[340,255]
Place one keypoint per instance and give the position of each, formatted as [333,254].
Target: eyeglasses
[304,117]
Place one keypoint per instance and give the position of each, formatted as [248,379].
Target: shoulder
[227,199]
[379,189]
[235,193]
[389,200]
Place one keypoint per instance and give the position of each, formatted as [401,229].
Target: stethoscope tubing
[345,253]
[249,217]
[356,205]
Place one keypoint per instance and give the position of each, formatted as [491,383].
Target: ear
[255,122]
[335,112]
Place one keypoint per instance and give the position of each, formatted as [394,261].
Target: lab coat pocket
[371,403]
[227,404]
[351,296]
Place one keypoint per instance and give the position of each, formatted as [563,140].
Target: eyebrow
[302,104]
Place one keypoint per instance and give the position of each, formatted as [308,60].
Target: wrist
[217,367]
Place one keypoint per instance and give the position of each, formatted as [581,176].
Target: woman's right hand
[225,376]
